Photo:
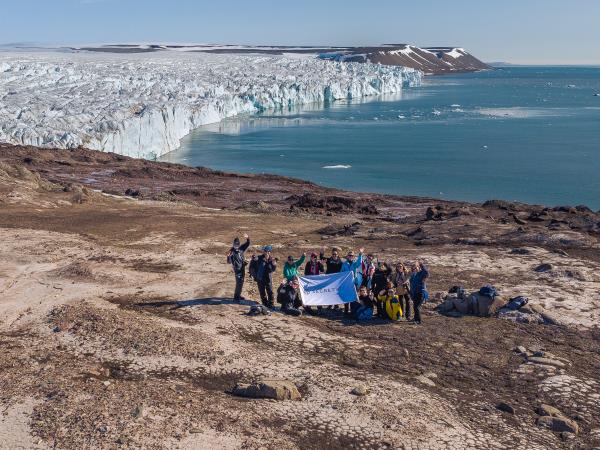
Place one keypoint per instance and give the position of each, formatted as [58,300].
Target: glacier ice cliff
[142,105]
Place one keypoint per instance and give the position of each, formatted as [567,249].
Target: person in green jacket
[290,268]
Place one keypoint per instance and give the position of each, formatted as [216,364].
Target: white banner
[326,290]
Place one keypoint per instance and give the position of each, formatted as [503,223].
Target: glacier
[141,105]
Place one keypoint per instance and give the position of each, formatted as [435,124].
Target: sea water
[529,134]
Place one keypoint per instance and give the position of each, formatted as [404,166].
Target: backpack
[393,310]
[489,291]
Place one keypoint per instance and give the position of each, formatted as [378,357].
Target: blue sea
[529,134]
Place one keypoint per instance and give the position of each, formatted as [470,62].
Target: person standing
[368,270]
[262,268]
[381,277]
[236,258]
[290,268]
[334,263]
[314,266]
[354,265]
[401,279]
[418,288]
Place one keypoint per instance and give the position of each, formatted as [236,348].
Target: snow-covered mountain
[142,104]
[431,60]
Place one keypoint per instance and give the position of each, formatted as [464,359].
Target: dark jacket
[262,270]
[315,268]
[417,282]
[380,280]
[366,300]
[288,297]
[333,265]
[236,259]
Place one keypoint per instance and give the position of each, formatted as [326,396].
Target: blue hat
[267,248]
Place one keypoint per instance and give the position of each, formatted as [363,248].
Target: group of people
[382,291]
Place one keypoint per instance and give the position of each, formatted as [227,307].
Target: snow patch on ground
[141,105]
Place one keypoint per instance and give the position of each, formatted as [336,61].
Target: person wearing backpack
[262,268]
[290,268]
[354,265]
[287,296]
[236,258]
[418,288]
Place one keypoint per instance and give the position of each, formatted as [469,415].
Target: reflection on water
[299,115]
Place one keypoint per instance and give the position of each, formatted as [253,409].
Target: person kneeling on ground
[388,304]
[364,308]
[261,269]
[418,288]
[287,296]
[290,268]
[236,258]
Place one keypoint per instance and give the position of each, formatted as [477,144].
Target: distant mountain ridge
[430,60]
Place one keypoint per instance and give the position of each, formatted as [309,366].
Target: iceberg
[141,105]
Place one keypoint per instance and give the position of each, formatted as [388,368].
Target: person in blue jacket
[353,264]
[418,288]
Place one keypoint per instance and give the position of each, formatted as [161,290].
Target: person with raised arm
[354,265]
[291,266]
[238,262]
[418,288]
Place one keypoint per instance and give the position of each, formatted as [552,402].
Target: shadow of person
[209,301]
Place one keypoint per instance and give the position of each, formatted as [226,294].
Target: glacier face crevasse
[142,105]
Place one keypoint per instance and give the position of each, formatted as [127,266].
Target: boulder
[424,380]
[547,410]
[546,361]
[505,407]
[270,388]
[360,391]
[558,424]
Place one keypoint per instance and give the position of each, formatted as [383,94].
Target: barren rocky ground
[117,328]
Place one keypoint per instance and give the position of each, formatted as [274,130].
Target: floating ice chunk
[436,112]
[337,166]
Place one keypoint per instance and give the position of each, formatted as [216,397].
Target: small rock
[269,388]
[537,308]
[195,430]
[406,353]
[102,428]
[424,380]
[543,268]
[547,410]
[558,424]
[546,361]
[138,411]
[566,436]
[430,375]
[360,390]
[521,349]
[505,407]
[106,383]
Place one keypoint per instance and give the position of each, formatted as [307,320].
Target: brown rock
[558,424]
[547,410]
[546,361]
[269,388]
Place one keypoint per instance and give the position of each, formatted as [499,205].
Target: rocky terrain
[118,330]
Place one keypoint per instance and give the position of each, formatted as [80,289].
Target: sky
[516,31]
